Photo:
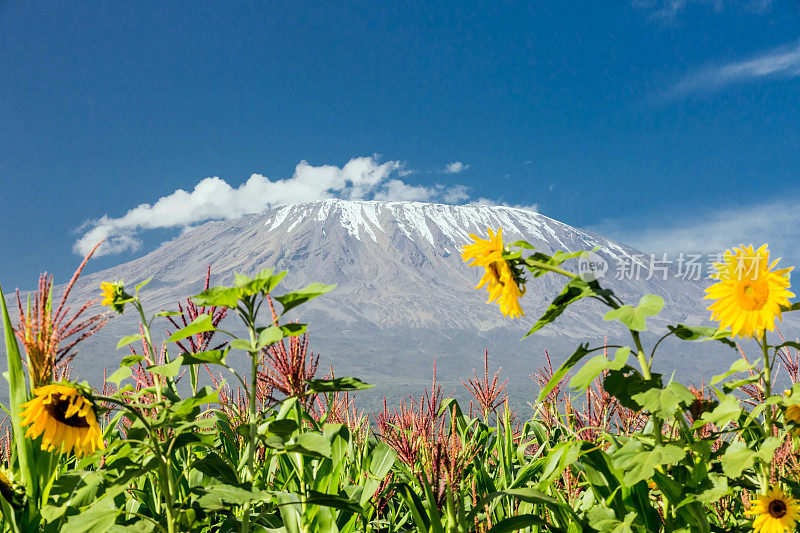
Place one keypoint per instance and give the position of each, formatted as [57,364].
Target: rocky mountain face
[403,293]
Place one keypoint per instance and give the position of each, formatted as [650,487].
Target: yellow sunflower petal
[64,419]
[775,512]
[748,293]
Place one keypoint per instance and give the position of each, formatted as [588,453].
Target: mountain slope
[404,295]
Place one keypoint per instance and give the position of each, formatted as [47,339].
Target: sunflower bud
[114,296]
[10,488]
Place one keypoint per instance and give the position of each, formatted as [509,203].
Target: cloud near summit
[214,198]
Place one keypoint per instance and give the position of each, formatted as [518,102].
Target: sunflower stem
[147,338]
[250,319]
[767,382]
[164,467]
[544,266]
[646,374]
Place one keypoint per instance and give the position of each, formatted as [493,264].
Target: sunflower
[792,414]
[64,418]
[114,295]
[502,283]
[748,293]
[774,512]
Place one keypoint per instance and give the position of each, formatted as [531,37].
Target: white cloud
[397,190]
[213,198]
[781,62]
[776,222]
[667,11]
[454,194]
[490,202]
[455,167]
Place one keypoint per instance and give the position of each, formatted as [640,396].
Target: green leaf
[240,280]
[98,518]
[130,360]
[283,427]
[634,317]
[337,384]
[169,370]
[124,341]
[788,344]
[334,501]
[142,284]
[18,394]
[523,244]
[794,307]
[560,457]
[639,464]
[530,495]
[596,365]
[123,372]
[267,280]
[71,490]
[218,297]
[293,330]
[719,488]
[527,495]
[738,456]
[740,365]
[201,324]
[312,444]
[243,344]
[168,313]
[563,370]
[221,497]
[381,460]
[665,401]
[269,336]
[726,412]
[262,283]
[216,357]
[733,385]
[215,467]
[556,259]
[693,333]
[9,516]
[293,299]
[573,291]
[518,522]
[650,305]
[604,520]
[626,383]
[203,396]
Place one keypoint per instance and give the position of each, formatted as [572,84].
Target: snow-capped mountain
[404,295]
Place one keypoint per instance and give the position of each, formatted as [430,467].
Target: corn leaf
[18,394]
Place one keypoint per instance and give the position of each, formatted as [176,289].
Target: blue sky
[668,125]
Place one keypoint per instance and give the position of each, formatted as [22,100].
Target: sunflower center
[777,508]
[753,294]
[57,408]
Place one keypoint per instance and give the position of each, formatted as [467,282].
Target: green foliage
[641,455]
[634,317]
[576,289]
